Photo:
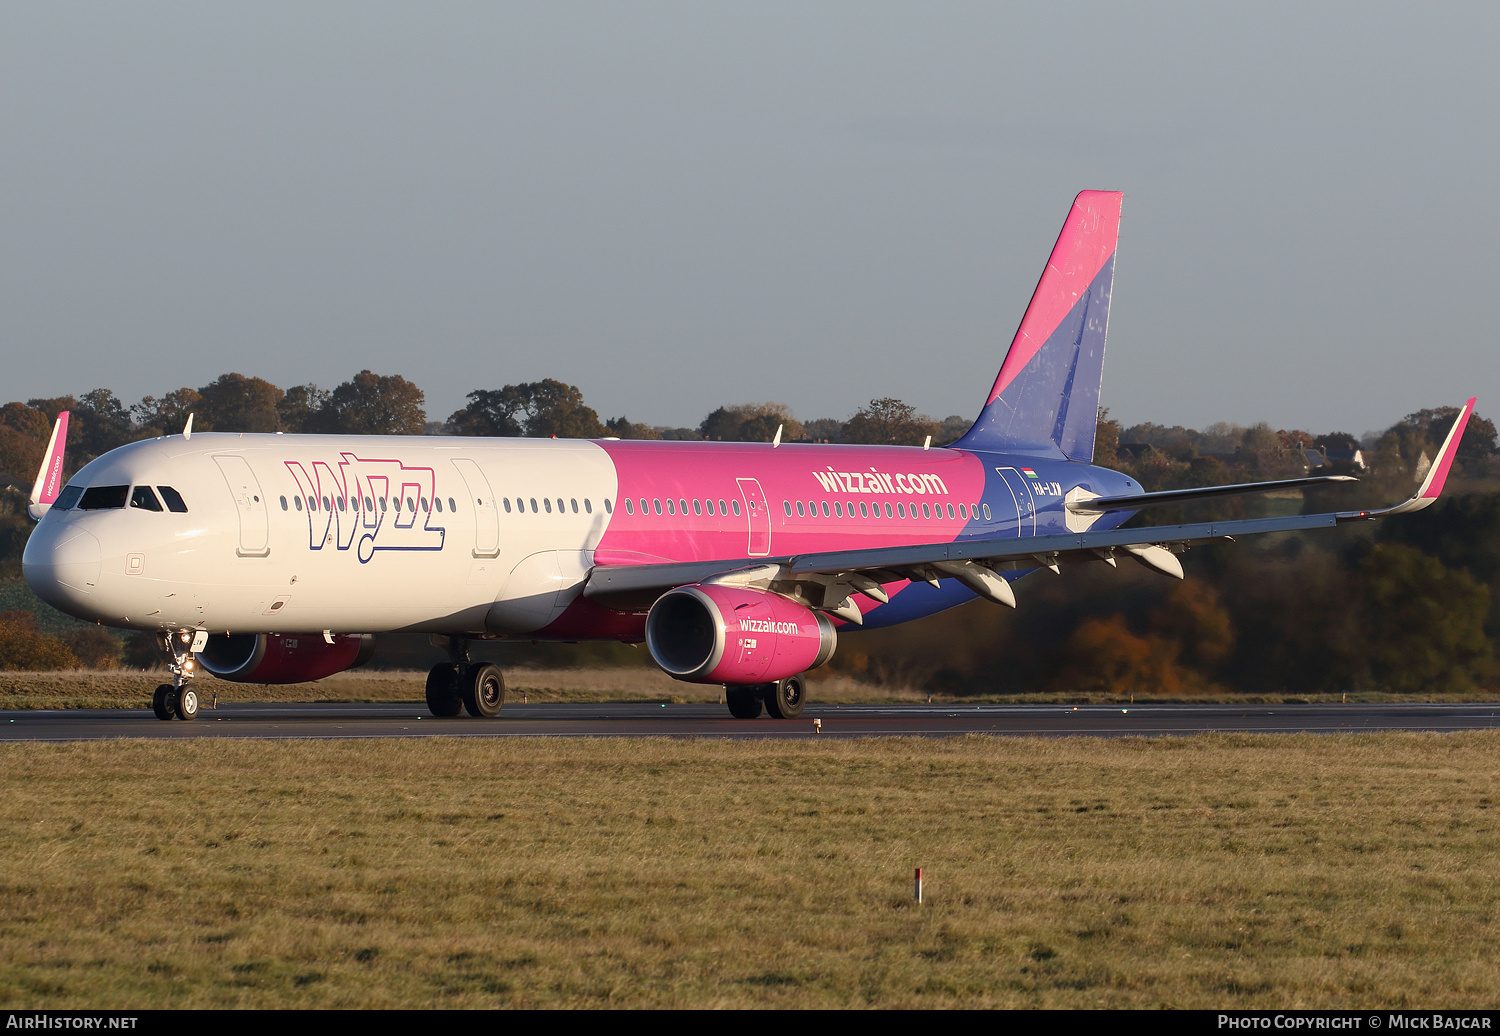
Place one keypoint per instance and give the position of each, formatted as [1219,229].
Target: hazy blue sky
[676,206]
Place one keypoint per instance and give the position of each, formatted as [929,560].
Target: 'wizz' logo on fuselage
[374,504]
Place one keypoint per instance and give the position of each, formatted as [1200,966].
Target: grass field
[1206,871]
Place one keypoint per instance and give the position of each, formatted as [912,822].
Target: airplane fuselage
[493,537]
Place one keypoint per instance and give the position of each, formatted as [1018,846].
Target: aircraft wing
[827,579]
[1137,501]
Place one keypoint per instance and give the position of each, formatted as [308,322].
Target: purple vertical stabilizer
[1046,398]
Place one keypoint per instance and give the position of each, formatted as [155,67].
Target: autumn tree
[1106,439]
[300,409]
[235,403]
[555,408]
[23,438]
[890,422]
[23,646]
[492,412]
[1423,622]
[168,415]
[621,427]
[374,404]
[751,422]
[536,408]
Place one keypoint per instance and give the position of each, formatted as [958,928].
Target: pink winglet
[1087,241]
[1433,486]
[49,481]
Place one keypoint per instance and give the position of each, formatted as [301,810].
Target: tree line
[389,404]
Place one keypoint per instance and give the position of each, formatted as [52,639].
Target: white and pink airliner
[279,558]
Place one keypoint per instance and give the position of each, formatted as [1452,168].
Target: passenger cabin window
[609,508]
[507,505]
[142,497]
[67,498]
[629,507]
[589,507]
[103,498]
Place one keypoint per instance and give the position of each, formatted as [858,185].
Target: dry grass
[127,689]
[1209,871]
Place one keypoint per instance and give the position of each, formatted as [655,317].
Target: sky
[680,206]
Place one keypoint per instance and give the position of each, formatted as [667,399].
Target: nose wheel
[178,699]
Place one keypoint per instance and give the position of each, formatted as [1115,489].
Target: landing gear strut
[782,700]
[178,699]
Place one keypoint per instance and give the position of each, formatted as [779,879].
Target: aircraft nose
[62,567]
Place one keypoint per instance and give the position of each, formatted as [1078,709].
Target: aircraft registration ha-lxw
[277,558]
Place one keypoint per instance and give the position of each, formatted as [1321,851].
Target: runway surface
[355,720]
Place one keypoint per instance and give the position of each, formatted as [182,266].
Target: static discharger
[919,884]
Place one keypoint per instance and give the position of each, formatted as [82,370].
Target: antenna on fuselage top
[927,443]
[187,429]
[777,441]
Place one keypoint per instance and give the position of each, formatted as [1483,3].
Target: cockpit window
[103,498]
[173,499]
[143,498]
[67,498]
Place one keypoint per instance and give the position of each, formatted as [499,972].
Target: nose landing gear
[178,700]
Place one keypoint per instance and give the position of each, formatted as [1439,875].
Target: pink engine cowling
[735,635]
[283,658]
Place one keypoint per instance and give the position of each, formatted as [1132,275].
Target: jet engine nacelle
[710,633]
[277,658]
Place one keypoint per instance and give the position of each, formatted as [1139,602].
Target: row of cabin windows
[700,507]
[413,503]
[811,508]
[421,503]
[106,498]
[562,508]
[964,511]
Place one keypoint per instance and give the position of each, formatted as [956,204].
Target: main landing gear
[782,700]
[178,700]
[477,688]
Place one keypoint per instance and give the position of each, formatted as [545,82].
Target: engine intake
[276,658]
[708,633]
